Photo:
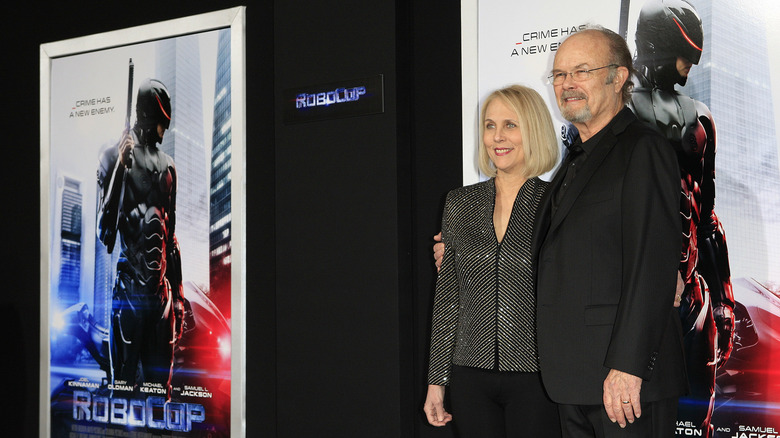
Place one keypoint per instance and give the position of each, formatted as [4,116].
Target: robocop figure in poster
[137,202]
[669,40]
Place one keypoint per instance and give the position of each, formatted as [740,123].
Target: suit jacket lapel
[590,166]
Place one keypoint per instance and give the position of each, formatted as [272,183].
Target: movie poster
[731,67]
[140,299]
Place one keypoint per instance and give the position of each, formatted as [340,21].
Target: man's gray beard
[581,116]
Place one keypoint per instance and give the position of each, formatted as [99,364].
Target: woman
[483,336]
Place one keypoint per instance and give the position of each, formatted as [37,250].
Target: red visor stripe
[163,109]
[690,41]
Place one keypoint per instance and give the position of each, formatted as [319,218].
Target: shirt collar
[590,145]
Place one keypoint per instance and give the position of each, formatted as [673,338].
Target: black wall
[340,212]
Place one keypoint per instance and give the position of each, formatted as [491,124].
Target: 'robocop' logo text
[339,95]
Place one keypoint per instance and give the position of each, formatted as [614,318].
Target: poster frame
[234,19]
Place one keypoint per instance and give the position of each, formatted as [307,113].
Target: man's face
[683,66]
[591,100]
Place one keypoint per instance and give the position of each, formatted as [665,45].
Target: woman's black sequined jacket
[484,307]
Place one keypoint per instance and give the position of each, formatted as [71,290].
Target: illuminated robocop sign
[350,98]
[339,95]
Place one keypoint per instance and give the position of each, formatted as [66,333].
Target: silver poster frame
[235,20]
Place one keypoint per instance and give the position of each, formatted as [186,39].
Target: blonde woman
[483,334]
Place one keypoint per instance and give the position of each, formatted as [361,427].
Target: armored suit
[137,200]
[669,30]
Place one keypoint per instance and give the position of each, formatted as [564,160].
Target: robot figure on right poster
[669,41]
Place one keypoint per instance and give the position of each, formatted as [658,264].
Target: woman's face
[502,138]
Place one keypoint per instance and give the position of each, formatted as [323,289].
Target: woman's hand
[434,406]
[438,250]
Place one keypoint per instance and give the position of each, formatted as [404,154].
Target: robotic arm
[714,267]
[173,274]
[713,262]
[110,179]
[173,270]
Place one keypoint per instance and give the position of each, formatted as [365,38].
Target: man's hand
[438,251]
[434,406]
[126,145]
[621,397]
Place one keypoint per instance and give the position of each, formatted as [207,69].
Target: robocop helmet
[153,107]
[667,29]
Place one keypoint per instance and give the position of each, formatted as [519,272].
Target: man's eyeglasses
[557,78]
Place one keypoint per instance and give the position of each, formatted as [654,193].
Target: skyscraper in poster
[220,206]
[69,233]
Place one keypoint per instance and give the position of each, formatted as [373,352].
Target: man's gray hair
[619,55]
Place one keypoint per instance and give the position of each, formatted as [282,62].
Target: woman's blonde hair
[540,147]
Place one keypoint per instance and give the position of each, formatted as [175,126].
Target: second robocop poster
[710,67]
[141,224]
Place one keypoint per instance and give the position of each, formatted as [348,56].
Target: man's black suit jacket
[607,266]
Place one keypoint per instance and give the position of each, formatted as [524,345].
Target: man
[607,242]
[137,200]
[669,41]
